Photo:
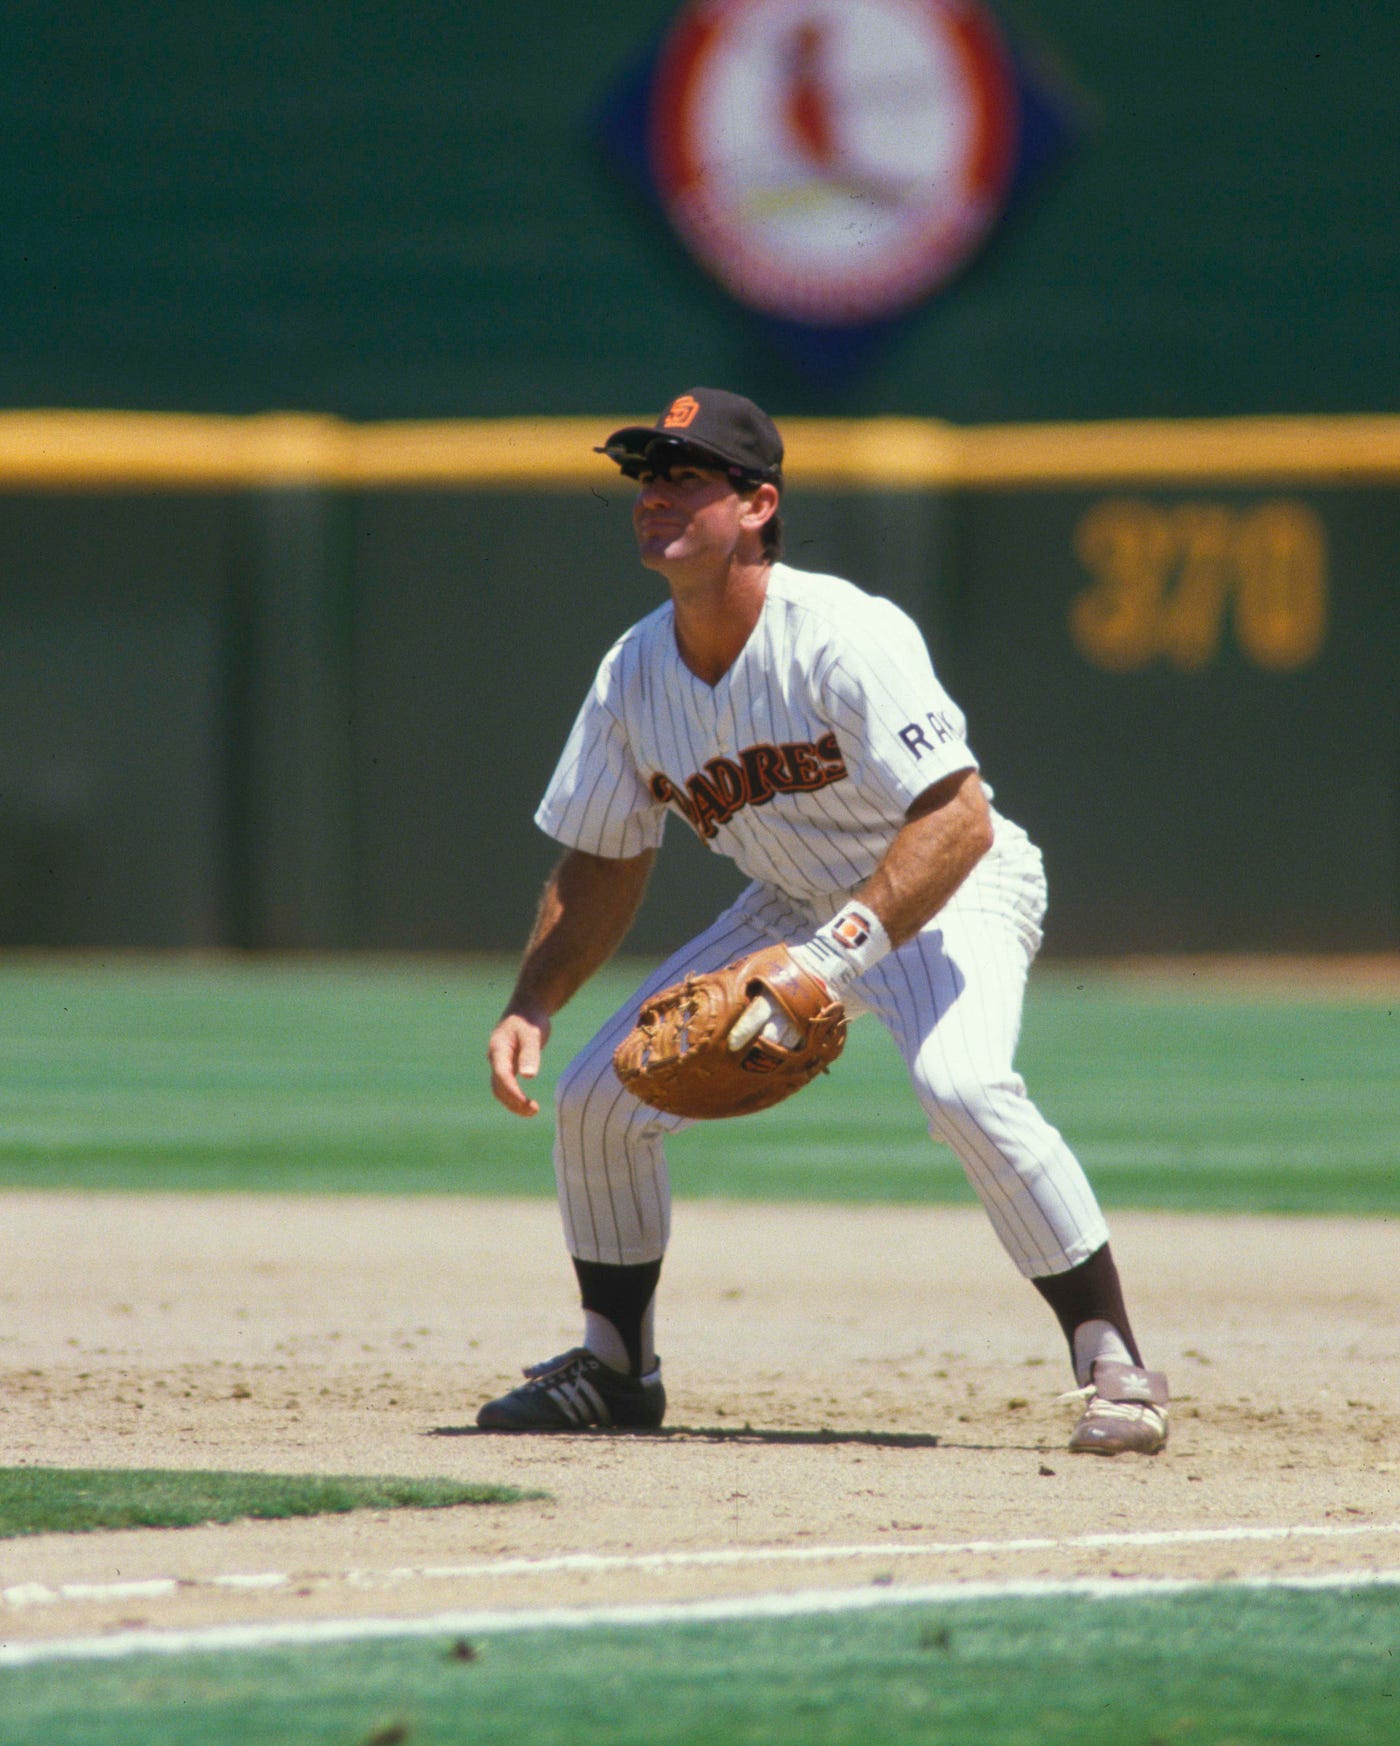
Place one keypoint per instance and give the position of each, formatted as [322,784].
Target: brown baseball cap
[719,428]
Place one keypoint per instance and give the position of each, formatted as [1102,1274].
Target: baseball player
[796,724]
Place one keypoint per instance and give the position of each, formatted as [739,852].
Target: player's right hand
[514,1054]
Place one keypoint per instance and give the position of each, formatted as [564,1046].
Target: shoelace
[1131,1411]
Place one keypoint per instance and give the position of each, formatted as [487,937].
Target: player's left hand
[514,1054]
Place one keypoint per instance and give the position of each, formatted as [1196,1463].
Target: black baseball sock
[622,1295]
[1090,1292]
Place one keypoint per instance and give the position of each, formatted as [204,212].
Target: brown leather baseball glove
[677,1057]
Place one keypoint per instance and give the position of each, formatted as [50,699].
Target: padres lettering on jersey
[799,764]
[713,795]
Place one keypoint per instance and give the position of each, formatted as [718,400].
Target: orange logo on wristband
[851,931]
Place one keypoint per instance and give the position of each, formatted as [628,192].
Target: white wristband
[852,942]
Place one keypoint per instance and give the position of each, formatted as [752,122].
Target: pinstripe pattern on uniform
[951,999]
[609,1158]
[823,657]
[598,797]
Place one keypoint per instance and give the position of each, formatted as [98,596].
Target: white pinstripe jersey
[799,764]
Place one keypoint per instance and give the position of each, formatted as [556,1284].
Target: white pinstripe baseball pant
[951,998]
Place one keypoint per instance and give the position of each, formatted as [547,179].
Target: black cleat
[578,1392]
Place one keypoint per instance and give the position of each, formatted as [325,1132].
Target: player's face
[685,514]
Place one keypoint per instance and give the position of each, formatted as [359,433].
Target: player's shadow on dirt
[727,1434]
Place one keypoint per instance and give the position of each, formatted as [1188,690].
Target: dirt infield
[858,1395]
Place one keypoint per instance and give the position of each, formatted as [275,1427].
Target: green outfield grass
[69,1500]
[356,1075]
[1218,1667]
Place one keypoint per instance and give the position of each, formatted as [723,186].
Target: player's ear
[760,506]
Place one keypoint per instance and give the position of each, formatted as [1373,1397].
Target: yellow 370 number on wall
[1167,579]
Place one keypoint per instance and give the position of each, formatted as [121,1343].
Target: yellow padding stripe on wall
[174,451]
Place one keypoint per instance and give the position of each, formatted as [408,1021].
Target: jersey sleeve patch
[935,729]
[900,726]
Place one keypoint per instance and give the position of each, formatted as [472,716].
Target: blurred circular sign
[833,161]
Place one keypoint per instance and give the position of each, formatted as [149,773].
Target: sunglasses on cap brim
[661,457]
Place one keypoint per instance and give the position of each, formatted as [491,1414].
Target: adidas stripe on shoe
[578,1392]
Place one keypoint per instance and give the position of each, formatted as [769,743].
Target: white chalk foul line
[31,1594]
[307,1633]
[594,1563]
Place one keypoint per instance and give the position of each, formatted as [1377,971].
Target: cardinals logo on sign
[832,161]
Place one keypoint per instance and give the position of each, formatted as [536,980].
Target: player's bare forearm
[946,833]
[587,907]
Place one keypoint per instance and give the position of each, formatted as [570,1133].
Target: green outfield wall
[402,211]
[296,679]
[299,683]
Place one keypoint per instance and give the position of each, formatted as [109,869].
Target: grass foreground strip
[77,1500]
[1207,1668]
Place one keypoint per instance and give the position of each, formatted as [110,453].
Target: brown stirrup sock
[1090,1292]
[621,1296]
